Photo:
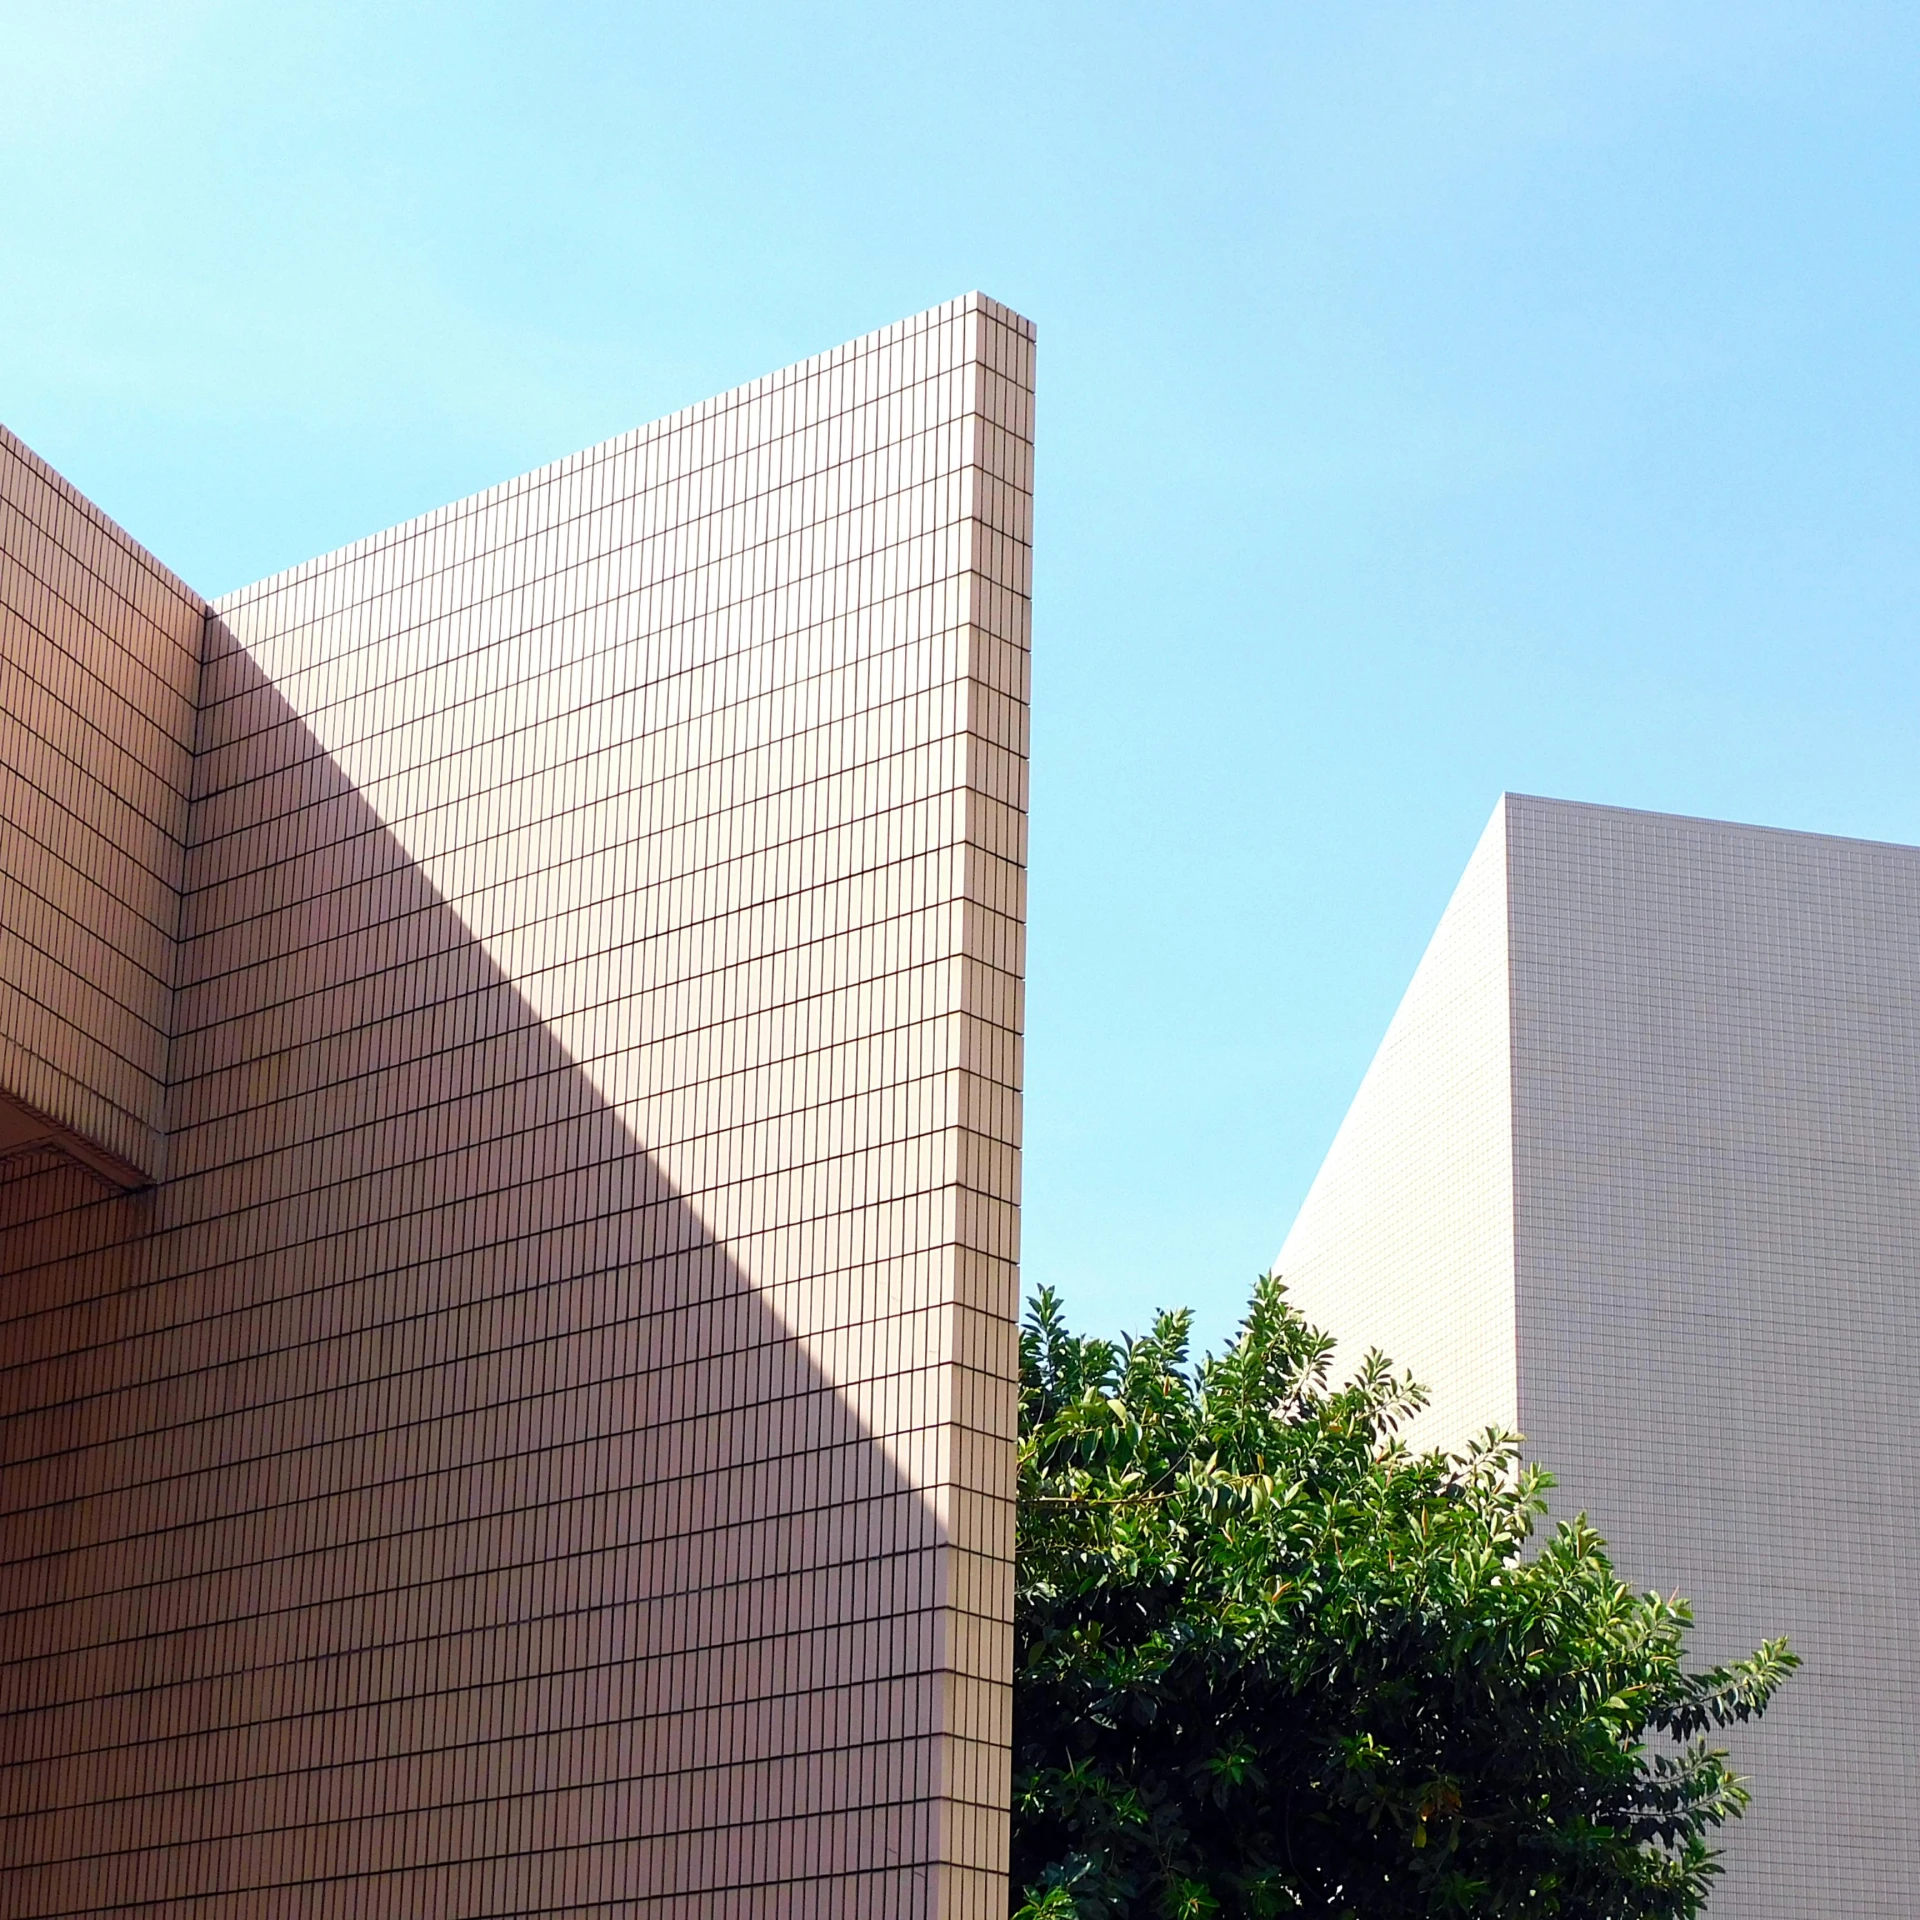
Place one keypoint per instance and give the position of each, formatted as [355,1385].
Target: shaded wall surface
[1717,1209]
[99,665]
[1710,1301]
[546,1446]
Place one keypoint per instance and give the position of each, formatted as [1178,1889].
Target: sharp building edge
[510,1059]
[1638,1171]
[1414,1205]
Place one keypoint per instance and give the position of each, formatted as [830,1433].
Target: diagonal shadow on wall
[409,1509]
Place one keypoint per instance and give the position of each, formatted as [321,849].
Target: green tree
[1269,1661]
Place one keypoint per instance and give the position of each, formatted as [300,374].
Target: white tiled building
[1637,1171]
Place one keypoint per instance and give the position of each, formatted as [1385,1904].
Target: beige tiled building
[1637,1172]
[509,1096]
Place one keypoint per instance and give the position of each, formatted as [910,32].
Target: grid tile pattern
[1713,1277]
[1717,1166]
[99,659]
[547,1448]
[1405,1239]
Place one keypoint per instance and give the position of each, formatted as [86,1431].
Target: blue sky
[1435,398]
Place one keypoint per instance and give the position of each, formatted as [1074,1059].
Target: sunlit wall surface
[1708,1145]
[546,1445]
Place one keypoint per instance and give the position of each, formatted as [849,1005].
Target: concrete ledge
[25,1130]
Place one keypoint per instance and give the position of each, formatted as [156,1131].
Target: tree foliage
[1268,1661]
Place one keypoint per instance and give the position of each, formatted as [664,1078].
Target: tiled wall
[1711,1278]
[99,656]
[1405,1240]
[1717,1076]
[548,1447]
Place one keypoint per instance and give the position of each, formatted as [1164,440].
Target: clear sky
[1435,399]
